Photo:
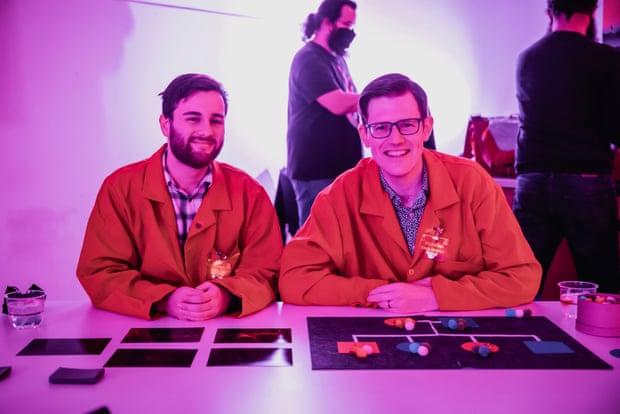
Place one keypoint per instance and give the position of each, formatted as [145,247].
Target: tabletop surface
[287,389]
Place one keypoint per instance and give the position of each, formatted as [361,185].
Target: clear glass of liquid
[25,309]
[570,290]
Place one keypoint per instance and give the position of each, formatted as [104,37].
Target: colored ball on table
[409,324]
[461,324]
[484,351]
[510,313]
[413,347]
[452,324]
[424,349]
[481,349]
[359,352]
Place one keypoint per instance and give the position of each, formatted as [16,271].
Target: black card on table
[65,346]
[4,372]
[163,335]
[76,376]
[259,335]
[152,358]
[265,357]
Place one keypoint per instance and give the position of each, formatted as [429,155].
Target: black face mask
[340,40]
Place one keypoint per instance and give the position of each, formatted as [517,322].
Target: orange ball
[359,351]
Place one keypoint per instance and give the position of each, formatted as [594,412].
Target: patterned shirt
[409,217]
[185,205]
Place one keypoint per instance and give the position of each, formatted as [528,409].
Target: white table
[297,389]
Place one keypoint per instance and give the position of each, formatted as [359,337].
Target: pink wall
[611,14]
[79,89]
[53,127]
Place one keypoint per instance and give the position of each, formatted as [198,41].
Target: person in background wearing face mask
[568,88]
[322,139]
[180,233]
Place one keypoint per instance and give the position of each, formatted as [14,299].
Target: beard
[182,149]
[340,40]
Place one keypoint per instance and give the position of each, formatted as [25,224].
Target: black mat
[508,334]
[253,335]
[65,346]
[163,335]
[152,358]
[266,357]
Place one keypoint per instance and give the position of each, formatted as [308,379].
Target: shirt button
[198,225]
[411,272]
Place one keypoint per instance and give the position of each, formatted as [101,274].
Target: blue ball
[511,313]
[413,347]
[452,324]
[484,350]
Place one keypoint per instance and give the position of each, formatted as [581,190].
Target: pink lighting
[80,84]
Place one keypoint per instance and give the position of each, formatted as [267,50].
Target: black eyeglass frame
[370,128]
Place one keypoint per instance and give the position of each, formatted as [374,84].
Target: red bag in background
[491,142]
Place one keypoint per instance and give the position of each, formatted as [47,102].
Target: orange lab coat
[352,242]
[131,258]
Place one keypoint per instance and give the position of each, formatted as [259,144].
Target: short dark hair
[392,84]
[570,7]
[185,85]
[330,10]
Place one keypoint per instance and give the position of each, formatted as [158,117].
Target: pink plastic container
[599,319]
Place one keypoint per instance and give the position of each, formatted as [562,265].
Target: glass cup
[25,310]
[570,290]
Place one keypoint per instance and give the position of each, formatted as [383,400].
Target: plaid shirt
[409,217]
[185,205]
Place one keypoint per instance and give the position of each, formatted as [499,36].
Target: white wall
[80,78]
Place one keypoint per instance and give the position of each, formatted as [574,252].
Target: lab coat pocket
[455,269]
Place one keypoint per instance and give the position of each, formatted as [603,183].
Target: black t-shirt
[568,89]
[319,143]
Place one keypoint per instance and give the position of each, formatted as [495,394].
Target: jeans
[581,208]
[305,193]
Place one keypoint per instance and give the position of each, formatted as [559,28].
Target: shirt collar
[203,185]
[394,195]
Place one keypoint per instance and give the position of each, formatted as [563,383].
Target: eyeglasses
[407,126]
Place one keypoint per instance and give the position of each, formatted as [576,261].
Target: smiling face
[399,156]
[196,130]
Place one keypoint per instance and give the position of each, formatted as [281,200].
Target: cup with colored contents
[570,291]
[25,309]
